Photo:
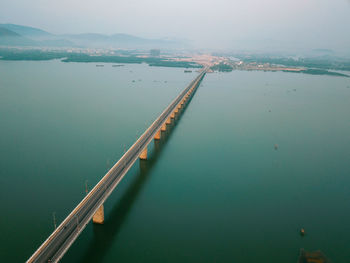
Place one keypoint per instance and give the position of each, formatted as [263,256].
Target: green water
[214,188]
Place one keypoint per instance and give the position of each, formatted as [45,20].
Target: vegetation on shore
[152,61]
[319,62]
[319,72]
[14,54]
[36,55]
[223,67]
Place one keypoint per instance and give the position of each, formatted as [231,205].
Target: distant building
[155,52]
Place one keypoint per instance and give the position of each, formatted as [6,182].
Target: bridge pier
[99,216]
[157,136]
[163,128]
[172,116]
[168,121]
[143,155]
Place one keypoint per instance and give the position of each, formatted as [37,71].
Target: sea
[250,161]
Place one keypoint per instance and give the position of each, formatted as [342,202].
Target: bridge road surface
[55,246]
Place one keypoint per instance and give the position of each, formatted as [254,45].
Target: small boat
[312,257]
[187,71]
[100,65]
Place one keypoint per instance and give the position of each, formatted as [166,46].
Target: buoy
[302,232]
[276,146]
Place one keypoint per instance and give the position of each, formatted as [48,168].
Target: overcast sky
[216,24]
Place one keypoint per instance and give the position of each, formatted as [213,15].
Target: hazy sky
[218,23]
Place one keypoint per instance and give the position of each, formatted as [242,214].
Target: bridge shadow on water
[105,234]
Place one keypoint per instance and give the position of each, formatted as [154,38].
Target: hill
[26,31]
[30,36]
[7,33]
[119,41]
[10,38]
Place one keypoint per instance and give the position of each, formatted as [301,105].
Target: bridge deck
[55,246]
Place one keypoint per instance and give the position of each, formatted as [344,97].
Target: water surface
[214,188]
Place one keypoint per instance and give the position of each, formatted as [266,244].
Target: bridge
[91,207]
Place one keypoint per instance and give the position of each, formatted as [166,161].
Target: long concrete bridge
[91,207]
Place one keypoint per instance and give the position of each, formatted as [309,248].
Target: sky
[217,24]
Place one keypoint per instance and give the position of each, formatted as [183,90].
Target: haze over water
[214,188]
[264,25]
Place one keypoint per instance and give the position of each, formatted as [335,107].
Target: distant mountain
[7,33]
[119,41]
[27,31]
[10,38]
[30,36]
